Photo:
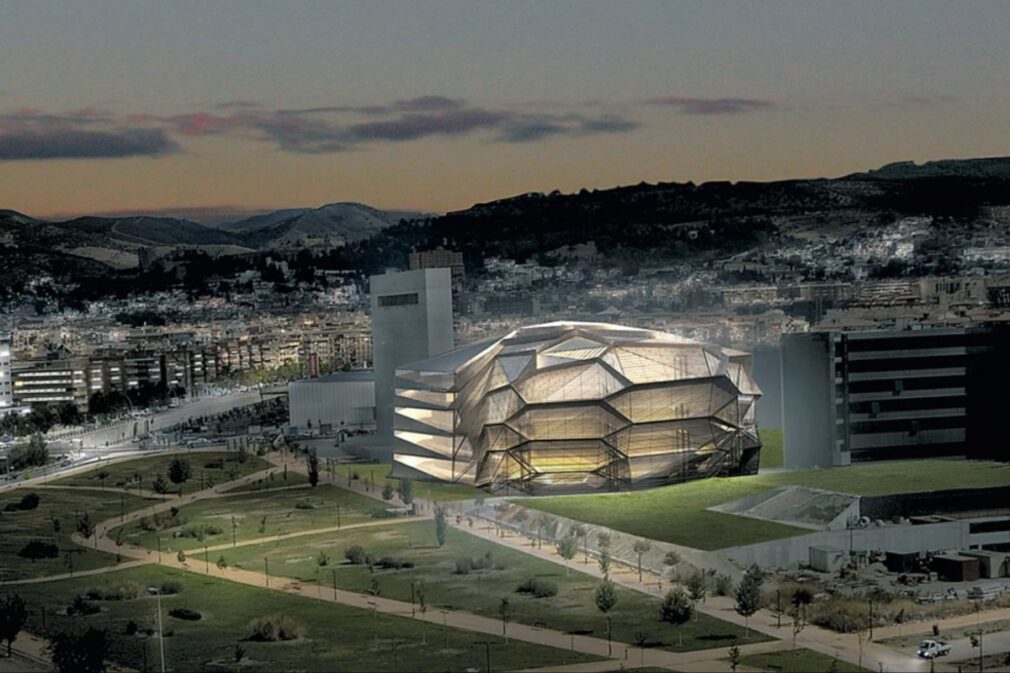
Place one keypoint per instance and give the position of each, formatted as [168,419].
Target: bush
[723,585]
[217,464]
[82,607]
[200,531]
[186,614]
[272,629]
[356,555]
[123,592]
[463,566]
[538,587]
[302,504]
[170,587]
[390,563]
[131,628]
[29,501]
[37,549]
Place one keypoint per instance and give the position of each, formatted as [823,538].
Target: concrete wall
[340,404]
[766,371]
[808,432]
[407,332]
[792,551]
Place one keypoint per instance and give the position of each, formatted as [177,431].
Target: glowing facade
[571,406]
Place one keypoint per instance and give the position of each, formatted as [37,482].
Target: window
[399,299]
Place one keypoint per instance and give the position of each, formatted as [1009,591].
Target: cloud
[712,106]
[77,144]
[97,133]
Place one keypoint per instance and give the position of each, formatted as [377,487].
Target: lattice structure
[572,406]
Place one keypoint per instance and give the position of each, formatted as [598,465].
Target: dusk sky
[144,106]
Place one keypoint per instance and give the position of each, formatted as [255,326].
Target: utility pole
[161,632]
[487,652]
[610,650]
[338,516]
[266,568]
[869,602]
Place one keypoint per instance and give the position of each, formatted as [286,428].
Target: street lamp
[161,633]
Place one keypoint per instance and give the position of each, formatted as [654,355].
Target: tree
[641,547]
[580,532]
[313,468]
[676,608]
[387,491]
[179,471]
[606,596]
[80,652]
[672,559]
[603,540]
[734,657]
[441,525]
[36,549]
[13,615]
[405,489]
[604,561]
[103,475]
[567,546]
[696,586]
[160,486]
[505,610]
[85,526]
[748,597]
[542,523]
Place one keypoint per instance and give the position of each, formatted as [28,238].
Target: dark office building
[853,397]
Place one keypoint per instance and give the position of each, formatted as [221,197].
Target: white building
[6,388]
[328,404]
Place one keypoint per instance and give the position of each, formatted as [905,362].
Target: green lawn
[678,513]
[479,592]
[57,508]
[772,451]
[799,661]
[334,637]
[275,480]
[142,471]
[286,511]
[375,473]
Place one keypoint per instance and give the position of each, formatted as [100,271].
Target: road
[126,430]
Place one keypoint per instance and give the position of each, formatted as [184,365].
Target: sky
[216,108]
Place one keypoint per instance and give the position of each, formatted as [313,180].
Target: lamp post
[610,648]
[161,633]
[487,652]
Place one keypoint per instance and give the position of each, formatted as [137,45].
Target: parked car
[930,649]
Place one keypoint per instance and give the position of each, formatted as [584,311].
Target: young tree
[672,560]
[387,491]
[604,561]
[405,489]
[580,533]
[567,546]
[734,657]
[748,598]
[506,611]
[179,471]
[102,476]
[85,526]
[676,608]
[606,596]
[13,615]
[603,540]
[696,586]
[313,468]
[641,547]
[441,525]
[80,652]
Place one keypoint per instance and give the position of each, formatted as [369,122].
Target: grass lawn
[286,511]
[55,505]
[269,483]
[772,451]
[480,592]
[334,637]
[798,661]
[142,471]
[376,473]
[677,513]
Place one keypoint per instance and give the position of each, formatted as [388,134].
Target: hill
[332,224]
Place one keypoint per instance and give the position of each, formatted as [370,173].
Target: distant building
[411,320]
[852,397]
[6,389]
[439,258]
[51,381]
[328,404]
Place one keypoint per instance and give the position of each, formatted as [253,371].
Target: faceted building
[570,406]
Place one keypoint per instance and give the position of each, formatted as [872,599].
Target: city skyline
[210,110]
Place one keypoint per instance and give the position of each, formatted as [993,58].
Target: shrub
[538,587]
[356,555]
[217,464]
[170,587]
[200,531]
[272,629]
[323,559]
[723,585]
[302,504]
[123,592]
[29,501]
[37,549]
[391,563]
[82,607]
[186,614]
[131,628]
[463,566]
